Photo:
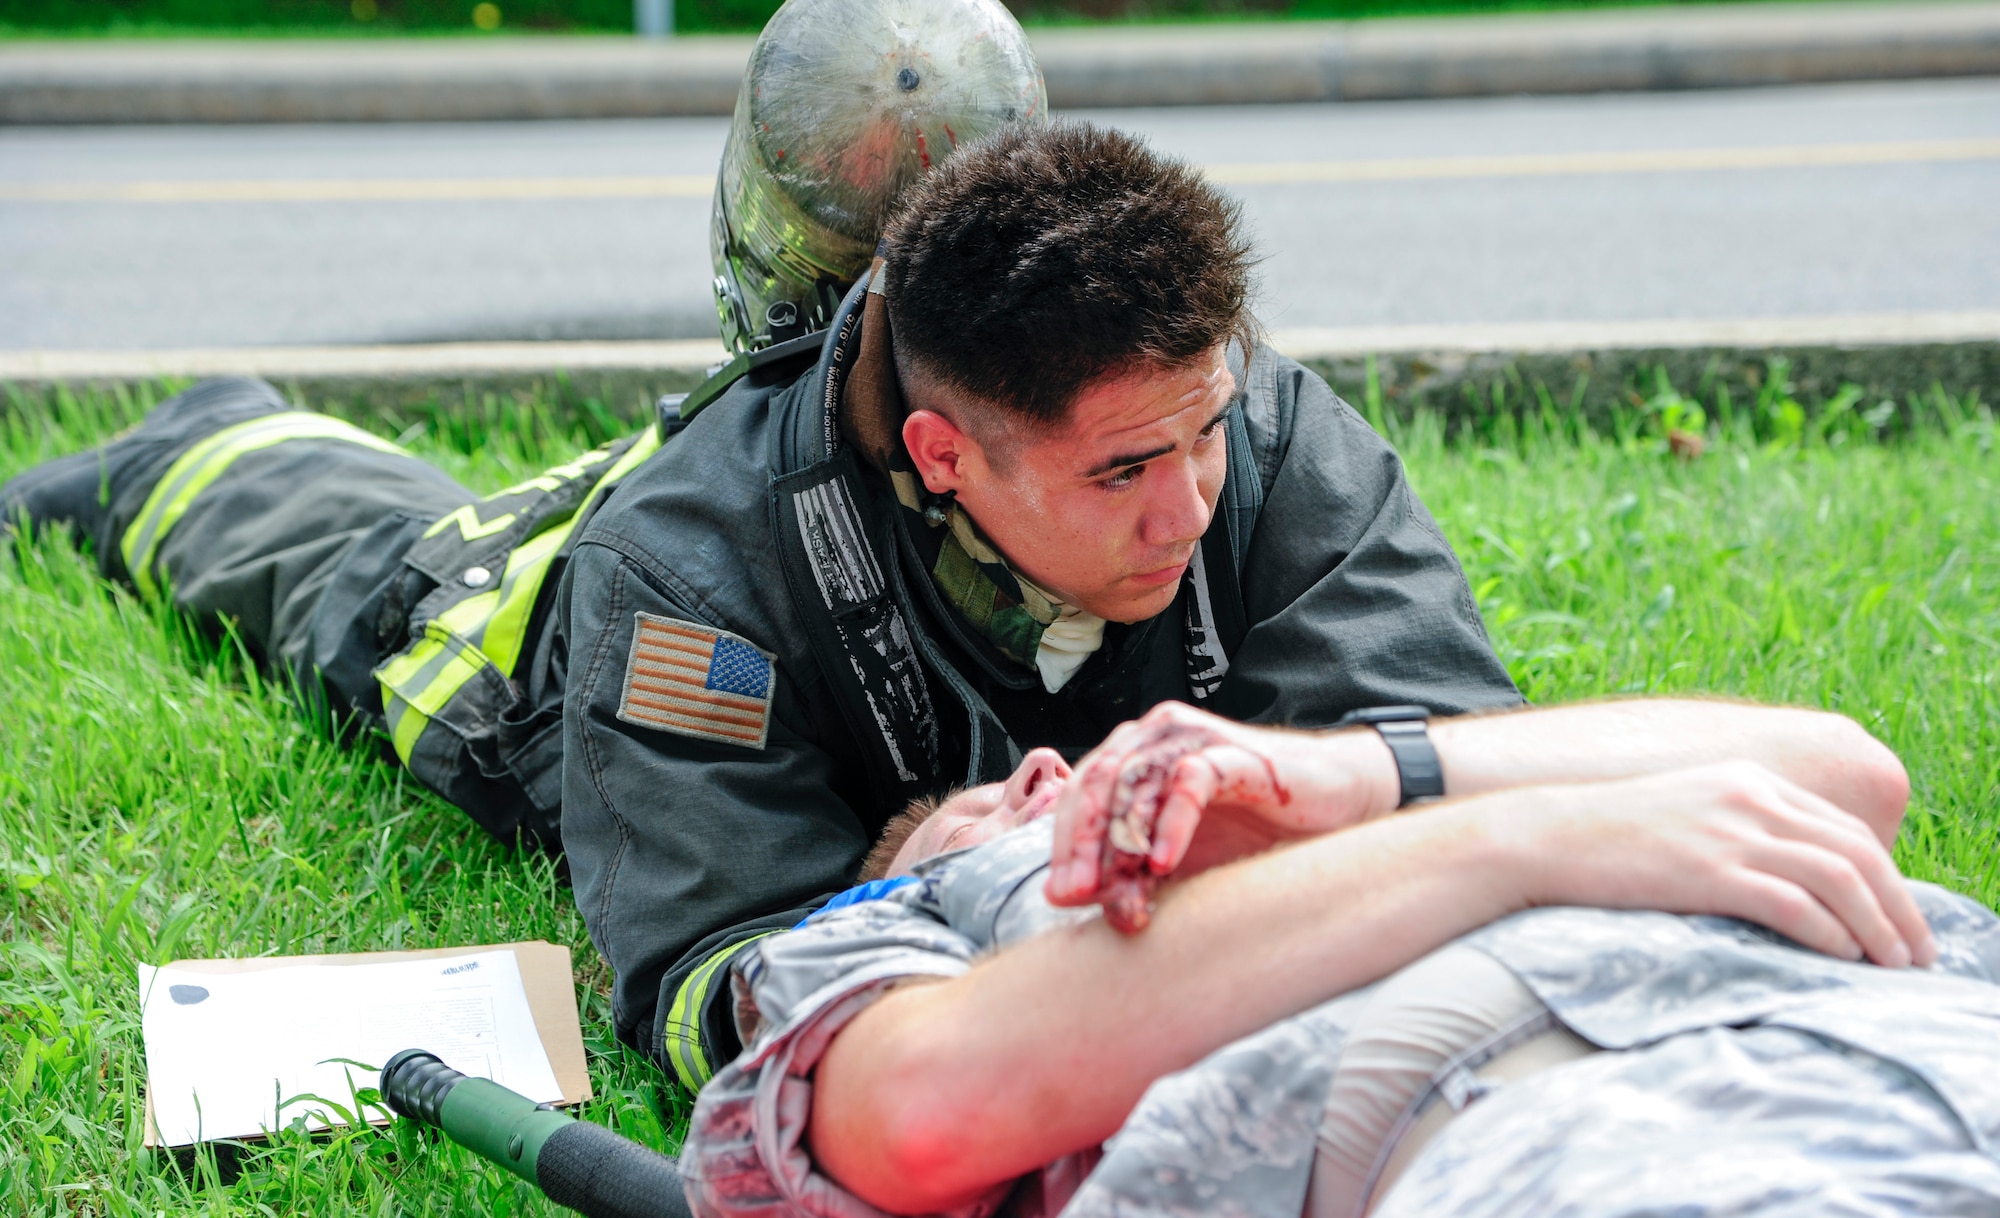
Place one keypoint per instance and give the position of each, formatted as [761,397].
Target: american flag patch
[698,681]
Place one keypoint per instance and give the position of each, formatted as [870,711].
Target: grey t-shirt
[1749,1076]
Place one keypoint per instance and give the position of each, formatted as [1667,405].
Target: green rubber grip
[499,1124]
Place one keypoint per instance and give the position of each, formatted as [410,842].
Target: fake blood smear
[1126,882]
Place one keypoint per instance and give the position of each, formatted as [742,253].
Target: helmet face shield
[845,103]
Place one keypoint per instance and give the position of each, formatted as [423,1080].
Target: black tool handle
[588,1168]
[415,1083]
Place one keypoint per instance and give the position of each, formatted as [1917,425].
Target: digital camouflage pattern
[1748,1076]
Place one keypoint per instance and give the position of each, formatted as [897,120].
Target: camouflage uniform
[1745,1075]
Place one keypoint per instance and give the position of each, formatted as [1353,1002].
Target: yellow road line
[688,186]
[350,190]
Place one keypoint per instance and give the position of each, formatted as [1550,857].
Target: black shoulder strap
[858,632]
[832,546]
[678,409]
[1242,492]
[1216,617]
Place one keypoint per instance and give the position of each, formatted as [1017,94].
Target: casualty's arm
[937,1092]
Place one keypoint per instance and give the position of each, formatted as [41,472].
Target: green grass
[158,801]
[1802,559]
[361,18]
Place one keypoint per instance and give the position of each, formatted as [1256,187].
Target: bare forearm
[1827,754]
[1237,789]
[941,1091]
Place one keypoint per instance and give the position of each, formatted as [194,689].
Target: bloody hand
[1140,792]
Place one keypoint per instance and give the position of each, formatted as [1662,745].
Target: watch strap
[1418,769]
[1417,766]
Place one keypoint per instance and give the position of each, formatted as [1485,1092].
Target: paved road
[1793,202]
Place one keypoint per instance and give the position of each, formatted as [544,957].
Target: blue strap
[873,890]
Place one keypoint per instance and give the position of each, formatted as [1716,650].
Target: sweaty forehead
[1149,393]
[1147,409]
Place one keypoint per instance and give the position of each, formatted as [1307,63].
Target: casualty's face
[1105,510]
[984,813]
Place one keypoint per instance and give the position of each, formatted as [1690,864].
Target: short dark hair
[1049,256]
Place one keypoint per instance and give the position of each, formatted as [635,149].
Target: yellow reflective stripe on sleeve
[422,679]
[505,632]
[489,628]
[201,465]
[681,1033]
[470,526]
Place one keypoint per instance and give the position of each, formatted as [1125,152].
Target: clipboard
[545,976]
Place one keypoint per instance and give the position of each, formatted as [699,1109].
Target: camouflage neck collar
[1019,618]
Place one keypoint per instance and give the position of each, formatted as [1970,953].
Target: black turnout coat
[690,833]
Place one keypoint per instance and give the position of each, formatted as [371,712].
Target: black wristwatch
[1402,729]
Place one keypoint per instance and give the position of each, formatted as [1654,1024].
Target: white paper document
[232,1055]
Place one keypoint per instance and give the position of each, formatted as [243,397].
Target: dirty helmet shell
[844,103]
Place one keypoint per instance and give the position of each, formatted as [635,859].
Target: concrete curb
[1590,368]
[573,78]
[422,80]
[398,362]
[1463,371]
[1633,49]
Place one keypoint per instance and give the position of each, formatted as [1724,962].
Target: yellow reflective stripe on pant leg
[681,1042]
[201,465]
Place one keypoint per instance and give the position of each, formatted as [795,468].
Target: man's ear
[944,455]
